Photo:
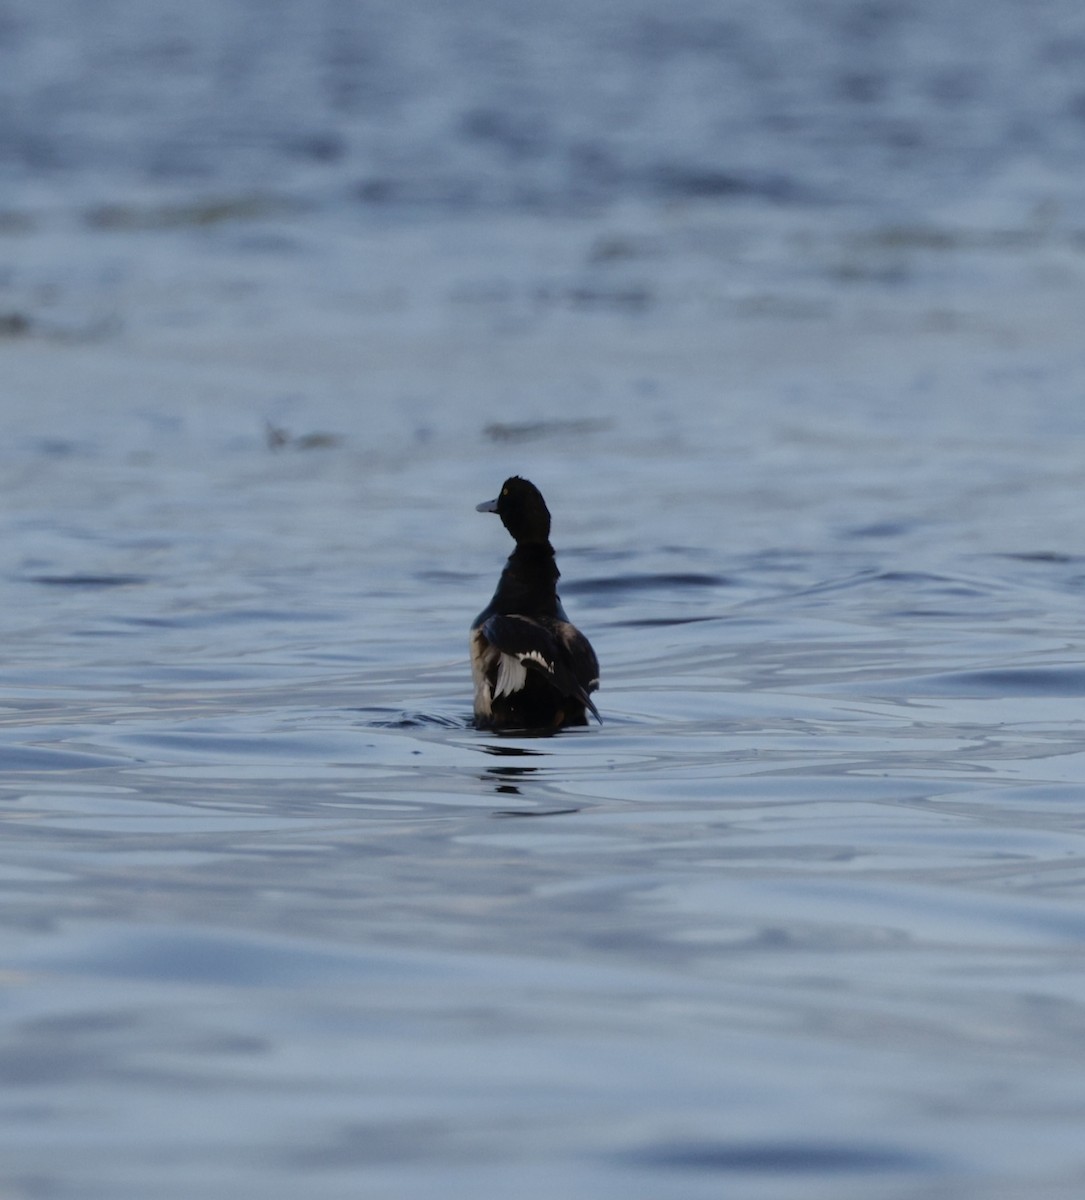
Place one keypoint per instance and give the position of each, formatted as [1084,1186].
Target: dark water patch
[630,298]
[1043,556]
[880,529]
[278,438]
[911,237]
[520,135]
[655,622]
[146,622]
[666,581]
[194,214]
[15,221]
[611,248]
[530,431]
[92,582]
[437,575]
[60,447]
[790,1158]
[1000,683]
[36,1063]
[52,329]
[534,812]
[15,325]
[693,182]
[924,613]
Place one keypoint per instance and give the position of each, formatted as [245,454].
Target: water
[780,306]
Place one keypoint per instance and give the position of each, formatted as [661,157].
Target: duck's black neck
[528,584]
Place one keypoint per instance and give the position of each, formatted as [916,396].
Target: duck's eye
[504,491]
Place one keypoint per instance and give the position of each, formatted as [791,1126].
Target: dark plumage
[533,668]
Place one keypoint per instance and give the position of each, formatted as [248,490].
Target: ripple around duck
[391,718]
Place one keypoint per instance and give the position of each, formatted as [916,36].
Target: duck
[533,669]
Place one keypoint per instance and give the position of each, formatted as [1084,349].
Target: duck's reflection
[501,777]
[503,750]
[506,781]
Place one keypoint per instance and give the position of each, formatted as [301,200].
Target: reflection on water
[783,1158]
[515,781]
[504,778]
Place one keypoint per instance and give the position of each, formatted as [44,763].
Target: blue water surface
[780,307]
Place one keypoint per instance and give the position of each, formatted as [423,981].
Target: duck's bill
[486,506]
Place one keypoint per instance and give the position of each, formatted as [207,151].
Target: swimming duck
[533,668]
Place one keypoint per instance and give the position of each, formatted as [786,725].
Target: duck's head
[522,510]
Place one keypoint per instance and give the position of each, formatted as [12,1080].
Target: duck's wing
[584,663]
[525,645]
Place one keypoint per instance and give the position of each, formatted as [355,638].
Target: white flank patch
[511,676]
